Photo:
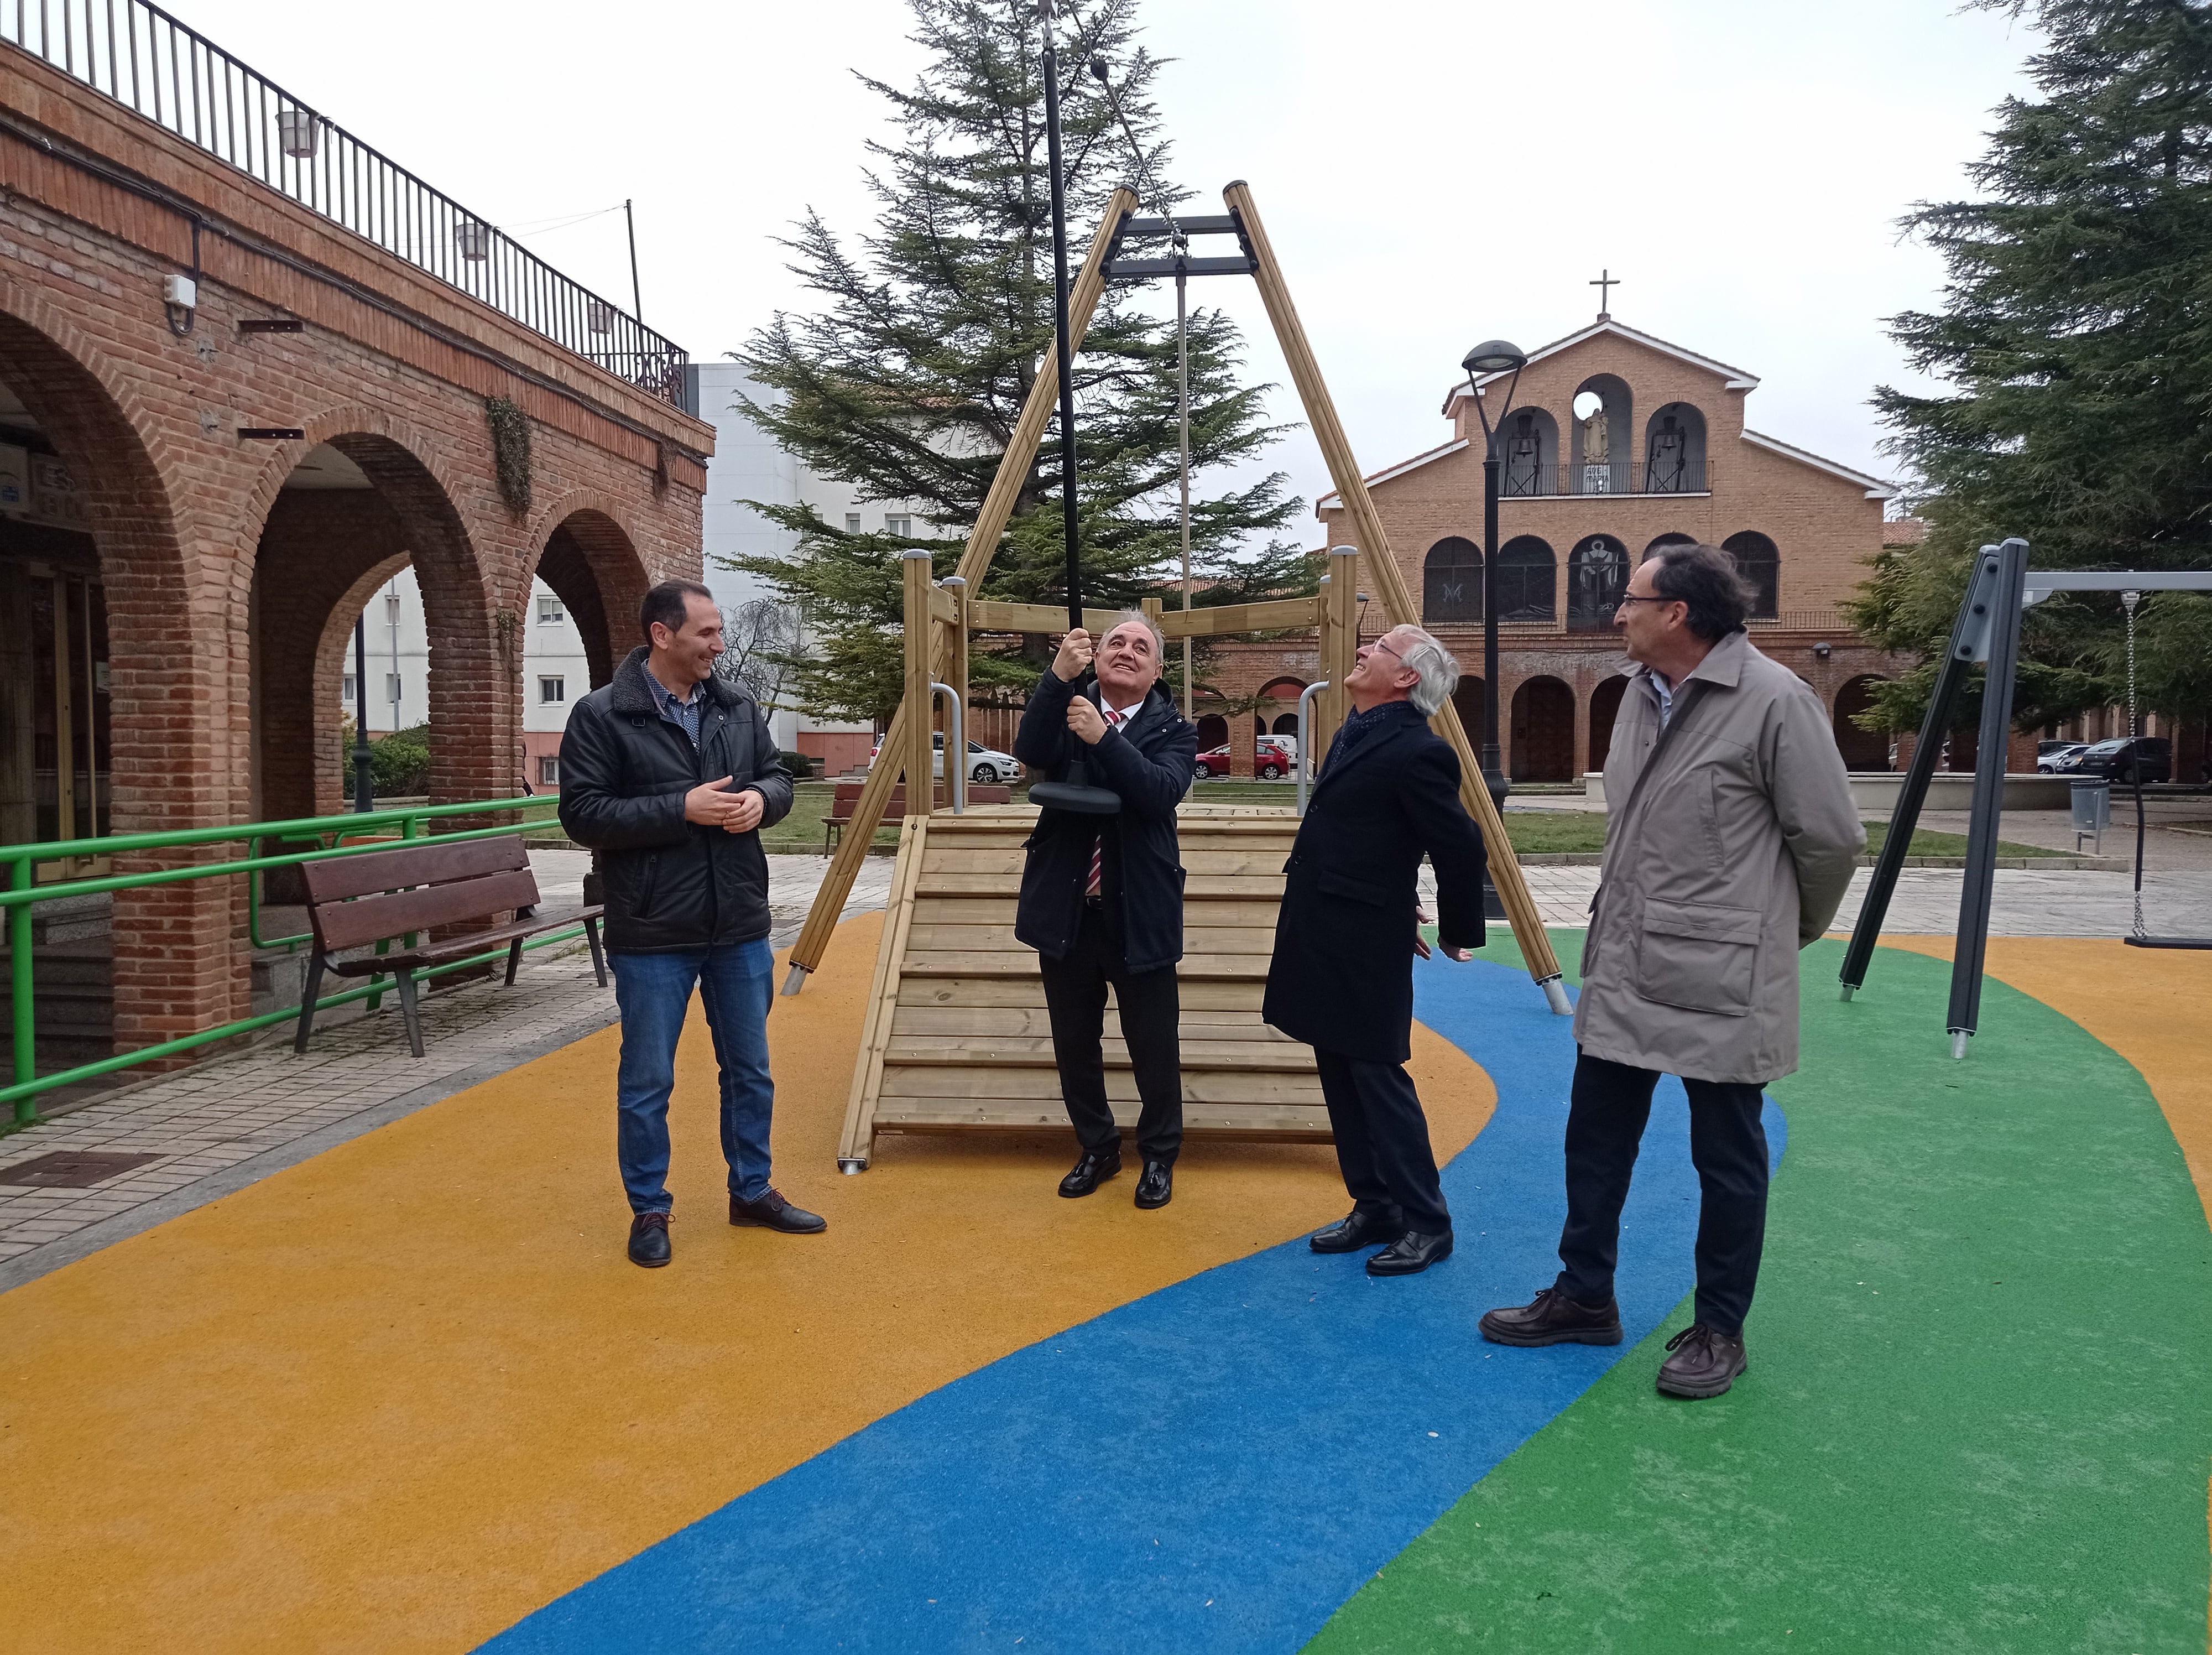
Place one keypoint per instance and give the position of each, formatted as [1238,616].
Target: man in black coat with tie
[1101,896]
[1342,977]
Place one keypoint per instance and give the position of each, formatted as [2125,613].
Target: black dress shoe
[1411,1254]
[1553,1318]
[1355,1230]
[1093,1170]
[649,1240]
[1704,1362]
[773,1212]
[1157,1187]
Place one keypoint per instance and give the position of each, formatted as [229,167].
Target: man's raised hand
[1076,650]
[1085,722]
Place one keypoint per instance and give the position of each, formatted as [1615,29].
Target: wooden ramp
[957,1038]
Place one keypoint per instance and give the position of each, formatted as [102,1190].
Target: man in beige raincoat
[1732,839]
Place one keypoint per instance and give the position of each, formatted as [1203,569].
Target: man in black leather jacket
[1101,896]
[668,773]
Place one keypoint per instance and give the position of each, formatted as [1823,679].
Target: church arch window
[1601,460]
[1672,537]
[1451,581]
[1528,454]
[1527,580]
[1674,451]
[1597,576]
[1760,563]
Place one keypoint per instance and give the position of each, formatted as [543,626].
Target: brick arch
[476,647]
[333,659]
[585,548]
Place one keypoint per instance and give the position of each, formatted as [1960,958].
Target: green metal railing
[332,834]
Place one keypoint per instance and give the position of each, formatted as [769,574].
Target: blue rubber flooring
[1218,1466]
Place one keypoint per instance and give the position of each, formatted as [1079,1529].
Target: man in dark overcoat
[1101,896]
[1342,977]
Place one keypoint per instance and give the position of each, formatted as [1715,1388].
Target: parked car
[1272,760]
[985,764]
[2052,756]
[2114,759]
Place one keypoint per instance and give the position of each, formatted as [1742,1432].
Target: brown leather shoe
[773,1212]
[1553,1318]
[1704,1363]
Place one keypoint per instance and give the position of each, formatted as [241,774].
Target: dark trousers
[1151,1022]
[1383,1142]
[1727,1145]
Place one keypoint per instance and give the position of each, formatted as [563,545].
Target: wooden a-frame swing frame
[953,612]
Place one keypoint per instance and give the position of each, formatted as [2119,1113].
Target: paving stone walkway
[231,1121]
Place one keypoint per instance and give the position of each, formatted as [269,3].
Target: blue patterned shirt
[683,714]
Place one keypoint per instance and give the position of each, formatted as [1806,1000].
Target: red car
[1272,762]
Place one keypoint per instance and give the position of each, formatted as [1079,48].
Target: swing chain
[2128,602]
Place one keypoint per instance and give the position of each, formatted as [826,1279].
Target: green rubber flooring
[1979,1416]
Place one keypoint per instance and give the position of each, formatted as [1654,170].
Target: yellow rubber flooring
[399,1396]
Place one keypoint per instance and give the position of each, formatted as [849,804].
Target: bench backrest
[352,900]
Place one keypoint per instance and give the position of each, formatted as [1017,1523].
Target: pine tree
[2076,340]
[907,383]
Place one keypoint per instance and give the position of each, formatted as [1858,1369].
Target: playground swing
[2139,937]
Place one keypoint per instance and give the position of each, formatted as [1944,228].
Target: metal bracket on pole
[795,980]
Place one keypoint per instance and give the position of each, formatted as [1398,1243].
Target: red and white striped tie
[1098,845]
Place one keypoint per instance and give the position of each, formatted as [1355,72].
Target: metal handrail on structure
[1306,765]
[956,751]
[155,66]
[23,890]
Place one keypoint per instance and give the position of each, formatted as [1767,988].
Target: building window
[1760,564]
[548,770]
[852,522]
[551,691]
[1527,576]
[392,688]
[346,694]
[550,612]
[391,609]
[901,527]
[1597,577]
[1451,581]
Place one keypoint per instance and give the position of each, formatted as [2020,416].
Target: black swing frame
[1999,590]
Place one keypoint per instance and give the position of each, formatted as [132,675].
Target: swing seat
[2167,942]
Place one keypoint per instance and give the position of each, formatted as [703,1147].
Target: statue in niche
[1600,579]
[1597,454]
[1669,458]
[1523,456]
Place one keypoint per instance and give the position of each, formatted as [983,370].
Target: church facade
[1615,442]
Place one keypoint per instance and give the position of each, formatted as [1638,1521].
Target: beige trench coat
[1731,840]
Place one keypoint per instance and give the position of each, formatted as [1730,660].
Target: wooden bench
[847,799]
[355,900]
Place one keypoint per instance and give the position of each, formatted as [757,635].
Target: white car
[986,765]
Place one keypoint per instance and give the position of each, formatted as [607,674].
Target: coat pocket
[1697,956]
[1333,884]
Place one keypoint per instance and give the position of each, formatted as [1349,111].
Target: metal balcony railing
[1617,477]
[150,63]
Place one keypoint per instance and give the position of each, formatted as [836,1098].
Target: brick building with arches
[1616,443]
[251,368]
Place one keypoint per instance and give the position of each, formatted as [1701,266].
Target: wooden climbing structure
[955,1037]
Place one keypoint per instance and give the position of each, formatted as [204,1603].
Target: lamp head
[1494,356]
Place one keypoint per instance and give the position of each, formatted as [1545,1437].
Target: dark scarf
[1357,727]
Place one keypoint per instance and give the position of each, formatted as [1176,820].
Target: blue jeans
[737,983]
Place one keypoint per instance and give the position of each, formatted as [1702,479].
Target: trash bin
[2092,810]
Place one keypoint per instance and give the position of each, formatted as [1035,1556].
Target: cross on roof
[1606,282]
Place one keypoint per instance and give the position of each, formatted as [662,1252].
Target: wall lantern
[299,133]
[599,316]
[1822,651]
[474,239]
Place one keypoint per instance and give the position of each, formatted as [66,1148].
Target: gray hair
[1159,638]
[1437,669]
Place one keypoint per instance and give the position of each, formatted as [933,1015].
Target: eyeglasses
[1379,644]
[1627,598]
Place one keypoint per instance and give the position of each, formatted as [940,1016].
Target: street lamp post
[1492,356]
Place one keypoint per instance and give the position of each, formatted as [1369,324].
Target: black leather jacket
[669,883]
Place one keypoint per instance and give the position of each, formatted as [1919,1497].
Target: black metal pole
[636,302]
[1493,776]
[364,788]
[1989,756]
[1063,357]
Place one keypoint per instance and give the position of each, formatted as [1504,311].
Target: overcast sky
[1432,172]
